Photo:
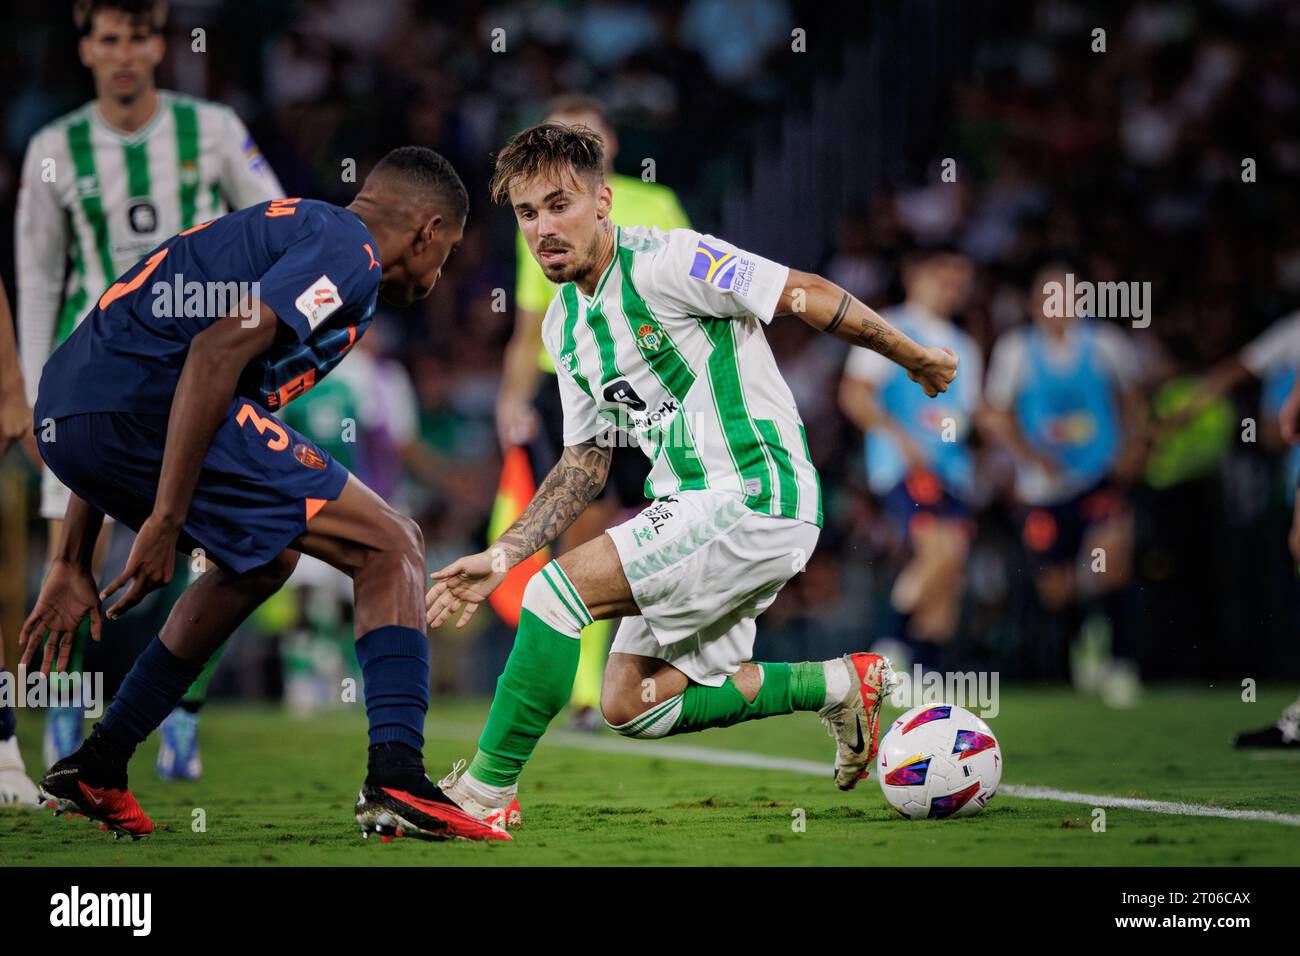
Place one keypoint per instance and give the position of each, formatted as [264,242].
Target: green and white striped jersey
[104,198]
[670,349]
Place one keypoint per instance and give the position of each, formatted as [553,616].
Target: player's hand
[468,582]
[15,418]
[935,370]
[150,565]
[517,423]
[67,595]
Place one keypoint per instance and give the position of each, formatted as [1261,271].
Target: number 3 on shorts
[279,441]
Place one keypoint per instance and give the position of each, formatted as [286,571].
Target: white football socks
[486,793]
[837,680]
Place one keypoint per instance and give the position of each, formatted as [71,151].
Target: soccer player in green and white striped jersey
[103,185]
[660,335]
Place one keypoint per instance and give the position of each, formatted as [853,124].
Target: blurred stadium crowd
[1128,161]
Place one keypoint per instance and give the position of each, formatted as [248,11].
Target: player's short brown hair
[550,149]
[153,13]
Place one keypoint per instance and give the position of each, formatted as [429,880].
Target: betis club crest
[649,337]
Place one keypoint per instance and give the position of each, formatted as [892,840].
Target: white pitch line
[689,753]
[737,758]
[1150,806]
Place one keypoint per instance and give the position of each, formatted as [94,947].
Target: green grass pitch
[279,791]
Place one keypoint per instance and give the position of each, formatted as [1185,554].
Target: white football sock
[837,680]
[486,793]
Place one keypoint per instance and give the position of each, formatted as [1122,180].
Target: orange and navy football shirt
[312,263]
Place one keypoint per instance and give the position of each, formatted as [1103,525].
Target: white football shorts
[703,567]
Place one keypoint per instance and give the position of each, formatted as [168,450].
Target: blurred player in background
[1273,359]
[528,406]
[662,334]
[220,473]
[16,788]
[919,463]
[102,186]
[1062,396]
[1286,731]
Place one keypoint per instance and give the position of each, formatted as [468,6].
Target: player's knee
[623,692]
[410,545]
[626,701]
[410,537]
[399,547]
[629,715]
[615,709]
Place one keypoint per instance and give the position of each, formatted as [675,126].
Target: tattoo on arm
[839,314]
[828,308]
[876,336]
[870,334]
[568,488]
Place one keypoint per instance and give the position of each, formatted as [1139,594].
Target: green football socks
[537,680]
[785,689]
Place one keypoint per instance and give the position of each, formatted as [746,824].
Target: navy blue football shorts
[261,481]
[1053,534]
[920,499]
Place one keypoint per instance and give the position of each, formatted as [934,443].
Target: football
[939,761]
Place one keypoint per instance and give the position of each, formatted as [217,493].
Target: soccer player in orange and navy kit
[159,413]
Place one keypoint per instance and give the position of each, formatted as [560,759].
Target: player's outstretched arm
[565,492]
[68,593]
[216,357]
[828,308]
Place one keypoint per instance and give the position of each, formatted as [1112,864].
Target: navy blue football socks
[395,667]
[148,694]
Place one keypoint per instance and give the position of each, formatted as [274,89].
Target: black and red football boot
[92,782]
[399,800]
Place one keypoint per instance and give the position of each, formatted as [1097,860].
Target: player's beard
[579,268]
[128,95]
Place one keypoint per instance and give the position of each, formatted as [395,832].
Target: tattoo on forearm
[565,492]
[839,314]
[872,334]
[876,336]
